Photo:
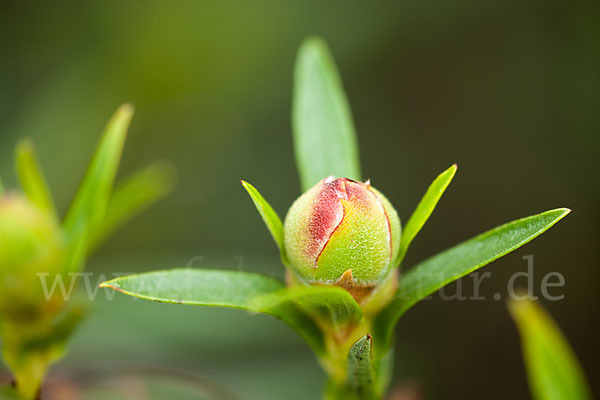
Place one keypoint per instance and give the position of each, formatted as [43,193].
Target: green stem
[336,390]
[28,355]
[29,369]
[354,371]
[31,346]
[30,375]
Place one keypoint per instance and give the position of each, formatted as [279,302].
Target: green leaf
[360,369]
[324,139]
[552,368]
[201,287]
[269,217]
[458,261]
[132,197]
[89,206]
[1,186]
[424,210]
[32,179]
[76,254]
[331,305]
[219,288]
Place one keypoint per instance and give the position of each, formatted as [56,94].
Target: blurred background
[509,90]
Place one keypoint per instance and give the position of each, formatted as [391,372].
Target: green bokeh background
[508,90]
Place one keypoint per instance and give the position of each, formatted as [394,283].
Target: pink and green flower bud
[30,243]
[342,232]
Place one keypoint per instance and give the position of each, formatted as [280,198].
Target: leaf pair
[414,225]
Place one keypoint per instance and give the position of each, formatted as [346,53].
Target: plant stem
[336,390]
[30,376]
[27,356]
[345,381]
[29,369]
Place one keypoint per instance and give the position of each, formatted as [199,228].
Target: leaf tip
[247,186]
[563,212]
[517,302]
[126,109]
[451,170]
[167,174]
[25,144]
[120,121]
[112,285]
[164,174]
[123,116]
[313,42]
[314,49]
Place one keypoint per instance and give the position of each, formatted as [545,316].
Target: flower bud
[30,243]
[342,232]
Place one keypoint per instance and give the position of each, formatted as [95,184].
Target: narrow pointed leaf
[331,305]
[202,287]
[552,368]
[32,179]
[424,210]
[268,215]
[219,288]
[132,197]
[324,139]
[90,203]
[360,378]
[1,186]
[76,254]
[454,263]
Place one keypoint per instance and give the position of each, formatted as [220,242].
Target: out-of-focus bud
[342,232]
[30,244]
